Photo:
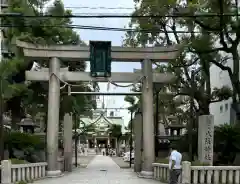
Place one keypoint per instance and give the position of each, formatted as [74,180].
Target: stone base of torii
[54,74]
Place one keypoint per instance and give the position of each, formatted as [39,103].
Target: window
[221,109]
[226,107]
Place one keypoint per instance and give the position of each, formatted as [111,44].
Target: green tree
[115,131]
[24,142]
[78,109]
[39,31]
[163,31]
[225,30]
[7,91]
[226,143]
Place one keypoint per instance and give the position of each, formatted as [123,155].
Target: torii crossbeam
[55,54]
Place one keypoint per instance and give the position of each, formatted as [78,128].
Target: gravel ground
[83,161]
[119,161]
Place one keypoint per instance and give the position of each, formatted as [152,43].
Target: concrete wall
[220,110]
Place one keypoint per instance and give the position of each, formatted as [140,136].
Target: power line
[101,15]
[98,8]
[110,28]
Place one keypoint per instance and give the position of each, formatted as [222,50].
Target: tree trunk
[1,124]
[236,84]
[15,105]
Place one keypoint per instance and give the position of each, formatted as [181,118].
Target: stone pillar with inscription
[67,141]
[137,121]
[205,139]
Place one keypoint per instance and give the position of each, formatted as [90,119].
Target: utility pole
[157,110]
[1,122]
[190,123]
[156,123]
[1,101]
[131,140]
[75,139]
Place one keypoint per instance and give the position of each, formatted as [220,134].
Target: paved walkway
[101,170]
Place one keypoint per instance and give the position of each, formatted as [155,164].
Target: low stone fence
[200,174]
[12,173]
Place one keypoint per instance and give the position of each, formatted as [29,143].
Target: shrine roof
[102,120]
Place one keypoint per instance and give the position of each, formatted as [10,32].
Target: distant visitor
[175,167]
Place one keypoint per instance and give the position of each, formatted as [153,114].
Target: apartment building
[222,111]
[4,50]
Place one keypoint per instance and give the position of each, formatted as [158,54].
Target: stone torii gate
[58,53]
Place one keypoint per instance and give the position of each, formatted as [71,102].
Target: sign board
[205,139]
[100,59]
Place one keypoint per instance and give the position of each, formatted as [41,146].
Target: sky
[113,36]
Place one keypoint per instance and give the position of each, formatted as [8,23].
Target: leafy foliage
[10,89]
[32,98]
[227,138]
[115,130]
[23,141]
[28,144]
[226,143]
[85,128]
[165,31]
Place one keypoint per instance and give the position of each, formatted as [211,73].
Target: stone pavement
[101,170]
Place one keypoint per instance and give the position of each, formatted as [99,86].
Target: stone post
[53,118]
[42,125]
[148,119]
[6,172]
[205,138]
[67,141]
[95,142]
[108,140]
[137,121]
[186,172]
[116,146]
[87,143]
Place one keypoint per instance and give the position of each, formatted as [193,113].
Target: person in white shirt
[175,166]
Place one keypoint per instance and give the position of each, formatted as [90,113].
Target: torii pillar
[148,119]
[53,118]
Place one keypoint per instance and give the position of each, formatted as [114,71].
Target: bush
[194,163]
[183,143]
[21,141]
[162,160]
[226,143]
[23,146]
[197,163]
[22,182]
[18,161]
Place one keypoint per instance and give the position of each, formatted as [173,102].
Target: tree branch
[211,50]
[187,65]
[173,27]
[222,41]
[205,26]
[222,67]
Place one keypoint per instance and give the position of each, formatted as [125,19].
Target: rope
[129,85]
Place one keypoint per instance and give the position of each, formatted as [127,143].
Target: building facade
[97,129]
[4,49]
[222,111]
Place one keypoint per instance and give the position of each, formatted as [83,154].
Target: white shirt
[177,157]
